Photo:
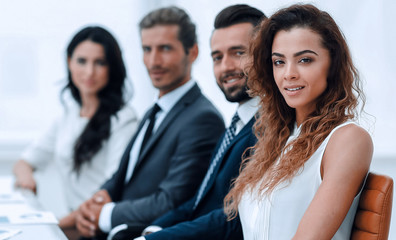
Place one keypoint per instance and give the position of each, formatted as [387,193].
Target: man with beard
[202,217]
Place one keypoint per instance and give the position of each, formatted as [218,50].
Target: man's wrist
[140,238]
[151,229]
[105,217]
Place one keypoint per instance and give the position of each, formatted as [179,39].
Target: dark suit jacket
[171,165]
[207,220]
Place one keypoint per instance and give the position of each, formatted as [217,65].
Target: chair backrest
[373,216]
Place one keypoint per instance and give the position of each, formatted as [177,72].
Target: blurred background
[34,35]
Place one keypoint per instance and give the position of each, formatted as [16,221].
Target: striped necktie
[228,136]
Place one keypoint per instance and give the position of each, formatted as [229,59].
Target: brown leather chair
[373,216]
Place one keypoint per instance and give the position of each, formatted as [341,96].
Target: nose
[153,58]
[291,72]
[89,69]
[227,63]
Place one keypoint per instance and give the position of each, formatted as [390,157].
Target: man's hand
[101,197]
[68,221]
[88,214]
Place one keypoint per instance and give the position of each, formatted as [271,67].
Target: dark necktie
[150,127]
[228,136]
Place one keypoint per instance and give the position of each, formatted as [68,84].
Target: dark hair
[110,97]
[238,13]
[335,105]
[172,16]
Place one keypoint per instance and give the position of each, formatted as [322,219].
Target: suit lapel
[245,130]
[126,155]
[186,100]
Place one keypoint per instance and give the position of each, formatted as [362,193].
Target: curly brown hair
[276,121]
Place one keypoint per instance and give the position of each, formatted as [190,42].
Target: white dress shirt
[246,111]
[57,145]
[166,103]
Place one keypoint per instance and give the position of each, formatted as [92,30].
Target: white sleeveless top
[276,217]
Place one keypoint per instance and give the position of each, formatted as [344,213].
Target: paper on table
[24,214]
[14,197]
[6,233]
[36,217]
[7,184]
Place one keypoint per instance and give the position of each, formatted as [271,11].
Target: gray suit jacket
[172,163]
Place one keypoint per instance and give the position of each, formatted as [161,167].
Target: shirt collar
[167,101]
[248,109]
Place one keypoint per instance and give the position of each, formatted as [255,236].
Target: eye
[146,49]
[81,60]
[305,60]
[216,58]
[101,62]
[277,62]
[239,53]
[166,48]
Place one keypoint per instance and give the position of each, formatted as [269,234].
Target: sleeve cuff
[151,229]
[140,238]
[105,217]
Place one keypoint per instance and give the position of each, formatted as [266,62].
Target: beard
[236,93]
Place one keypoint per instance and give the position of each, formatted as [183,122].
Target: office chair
[373,215]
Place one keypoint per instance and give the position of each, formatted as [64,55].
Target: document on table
[7,184]
[11,197]
[6,233]
[24,214]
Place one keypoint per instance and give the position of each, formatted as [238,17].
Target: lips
[157,72]
[229,78]
[90,82]
[293,88]
[232,80]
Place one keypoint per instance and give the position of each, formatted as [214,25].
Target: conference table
[20,211]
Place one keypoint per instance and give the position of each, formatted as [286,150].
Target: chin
[237,96]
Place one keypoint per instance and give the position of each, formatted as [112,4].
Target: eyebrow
[296,54]
[238,47]
[165,45]
[214,53]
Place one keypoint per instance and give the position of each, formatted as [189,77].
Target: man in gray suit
[167,158]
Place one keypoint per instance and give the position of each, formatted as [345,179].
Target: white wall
[34,35]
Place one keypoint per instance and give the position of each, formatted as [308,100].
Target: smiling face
[165,58]
[300,68]
[88,67]
[229,46]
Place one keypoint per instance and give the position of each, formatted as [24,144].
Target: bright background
[34,35]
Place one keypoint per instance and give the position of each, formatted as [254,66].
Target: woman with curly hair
[311,159]
[86,142]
